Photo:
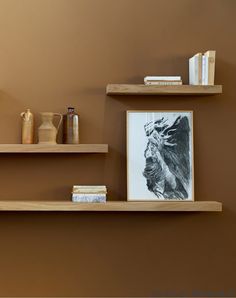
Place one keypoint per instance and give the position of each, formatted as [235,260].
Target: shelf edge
[110,206]
[58,148]
[139,89]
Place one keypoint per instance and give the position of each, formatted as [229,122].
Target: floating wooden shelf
[59,148]
[128,89]
[110,206]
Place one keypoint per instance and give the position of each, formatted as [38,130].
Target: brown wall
[56,53]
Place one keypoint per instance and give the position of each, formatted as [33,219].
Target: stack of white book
[202,68]
[162,80]
[89,193]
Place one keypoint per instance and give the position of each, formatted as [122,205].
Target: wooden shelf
[129,89]
[110,206]
[59,148]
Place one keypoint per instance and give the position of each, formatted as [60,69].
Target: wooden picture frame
[160,163]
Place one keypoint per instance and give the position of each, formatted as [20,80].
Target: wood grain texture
[59,148]
[139,89]
[110,206]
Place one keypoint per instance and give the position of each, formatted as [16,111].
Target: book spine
[191,71]
[199,68]
[162,78]
[211,55]
[77,188]
[205,70]
[163,83]
[83,192]
[90,186]
[211,70]
[195,70]
[88,198]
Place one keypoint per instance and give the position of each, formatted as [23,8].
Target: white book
[90,186]
[90,192]
[209,67]
[192,74]
[162,83]
[89,198]
[87,188]
[162,78]
[204,70]
[195,70]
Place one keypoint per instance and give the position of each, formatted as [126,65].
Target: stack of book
[89,193]
[163,80]
[202,68]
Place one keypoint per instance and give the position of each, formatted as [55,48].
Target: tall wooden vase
[47,132]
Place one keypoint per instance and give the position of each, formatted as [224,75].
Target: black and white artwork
[160,155]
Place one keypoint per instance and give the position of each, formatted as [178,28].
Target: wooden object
[58,148]
[128,89]
[110,206]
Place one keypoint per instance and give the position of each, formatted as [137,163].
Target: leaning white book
[192,73]
[89,198]
[195,69]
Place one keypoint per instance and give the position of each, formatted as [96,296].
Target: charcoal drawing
[167,167]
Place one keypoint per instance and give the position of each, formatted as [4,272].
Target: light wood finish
[129,89]
[58,148]
[110,206]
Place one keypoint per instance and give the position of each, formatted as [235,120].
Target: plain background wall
[58,53]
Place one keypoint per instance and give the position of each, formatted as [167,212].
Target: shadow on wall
[165,66]
[8,119]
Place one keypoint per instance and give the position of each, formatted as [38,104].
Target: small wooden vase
[47,132]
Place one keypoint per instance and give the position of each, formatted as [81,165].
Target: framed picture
[160,156]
